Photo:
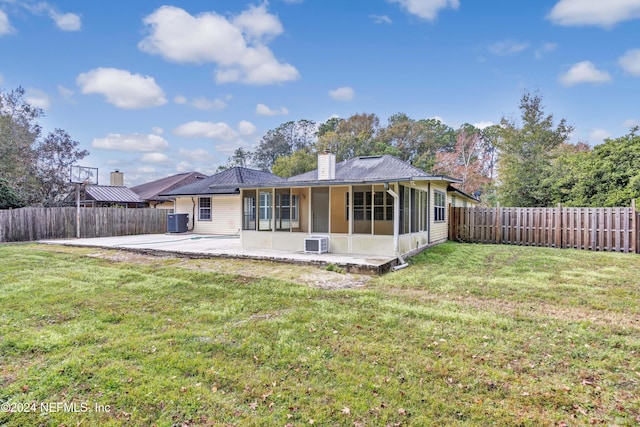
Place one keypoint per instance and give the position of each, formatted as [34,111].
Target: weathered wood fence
[29,224]
[595,229]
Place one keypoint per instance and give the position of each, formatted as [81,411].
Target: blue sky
[156,88]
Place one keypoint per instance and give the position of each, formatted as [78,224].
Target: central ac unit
[316,245]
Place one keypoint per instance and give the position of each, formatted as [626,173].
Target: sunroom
[365,213]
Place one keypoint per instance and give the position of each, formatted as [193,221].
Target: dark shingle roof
[225,182]
[371,169]
[113,194]
[452,189]
[152,190]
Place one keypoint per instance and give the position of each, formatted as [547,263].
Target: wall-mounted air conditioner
[316,245]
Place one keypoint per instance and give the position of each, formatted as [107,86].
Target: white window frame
[205,213]
[439,206]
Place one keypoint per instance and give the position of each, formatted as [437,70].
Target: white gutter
[396,229]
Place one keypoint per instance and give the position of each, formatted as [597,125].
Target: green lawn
[468,335]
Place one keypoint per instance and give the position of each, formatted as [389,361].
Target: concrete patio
[213,246]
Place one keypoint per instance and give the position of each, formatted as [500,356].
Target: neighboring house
[377,205]
[460,199]
[214,204]
[150,192]
[101,196]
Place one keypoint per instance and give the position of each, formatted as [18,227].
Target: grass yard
[468,335]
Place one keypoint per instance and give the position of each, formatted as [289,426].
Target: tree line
[518,162]
[527,161]
[34,169]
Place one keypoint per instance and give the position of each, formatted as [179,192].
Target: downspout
[193,213]
[396,228]
[429,214]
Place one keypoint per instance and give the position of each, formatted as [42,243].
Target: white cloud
[427,9]
[246,128]
[631,123]
[203,103]
[584,72]
[545,48]
[600,13]
[236,46]
[146,169]
[206,104]
[344,93]
[598,135]
[66,21]
[121,88]
[157,130]
[1,79]
[507,47]
[65,92]
[482,125]
[155,158]
[37,98]
[134,142]
[263,110]
[229,149]
[381,19]
[197,155]
[257,23]
[184,166]
[198,129]
[5,25]
[630,62]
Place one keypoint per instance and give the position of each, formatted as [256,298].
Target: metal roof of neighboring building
[225,182]
[151,190]
[113,194]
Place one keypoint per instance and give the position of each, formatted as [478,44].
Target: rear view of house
[377,205]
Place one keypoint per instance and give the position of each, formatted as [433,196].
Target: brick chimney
[117,178]
[326,166]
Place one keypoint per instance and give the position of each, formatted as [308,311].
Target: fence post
[559,227]
[498,225]
[451,221]
[634,228]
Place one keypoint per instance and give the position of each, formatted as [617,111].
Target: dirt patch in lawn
[302,274]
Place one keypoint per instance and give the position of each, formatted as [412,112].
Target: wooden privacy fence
[29,224]
[595,229]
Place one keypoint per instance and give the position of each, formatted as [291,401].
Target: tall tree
[568,166]
[55,155]
[490,140]
[431,136]
[8,197]
[465,161]
[283,141]
[301,161]
[355,136]
[240,157]
[330,125]
[526,151]
[19,131]
[37,171]
[610,174]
